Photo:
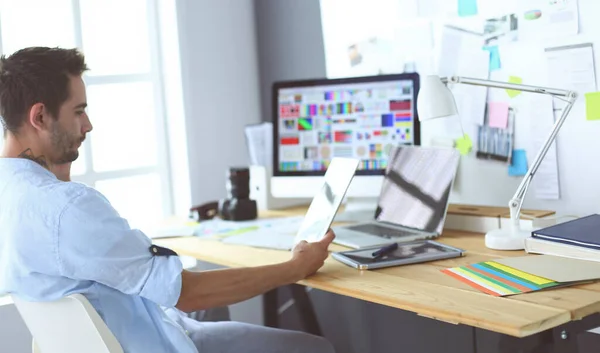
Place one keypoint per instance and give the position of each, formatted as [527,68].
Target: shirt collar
[27,164]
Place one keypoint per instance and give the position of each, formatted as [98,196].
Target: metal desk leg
[270,308]
[562,339]
[305,309]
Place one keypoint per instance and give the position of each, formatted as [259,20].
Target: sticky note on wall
[512,93]
[467,8]
[518,165]
[498,114]
[592,106]
[495,63]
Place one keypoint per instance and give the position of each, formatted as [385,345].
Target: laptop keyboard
[384,232]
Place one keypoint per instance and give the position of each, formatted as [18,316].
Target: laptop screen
[416,188]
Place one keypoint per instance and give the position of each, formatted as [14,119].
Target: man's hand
[308,258]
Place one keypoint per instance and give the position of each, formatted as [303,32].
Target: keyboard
[381,231]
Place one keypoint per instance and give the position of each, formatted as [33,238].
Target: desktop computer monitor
[360,117]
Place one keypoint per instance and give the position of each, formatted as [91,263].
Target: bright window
[125,157]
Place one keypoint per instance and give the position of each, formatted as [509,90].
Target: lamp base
[506,239]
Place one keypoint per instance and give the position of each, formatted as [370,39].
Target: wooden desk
[422,288]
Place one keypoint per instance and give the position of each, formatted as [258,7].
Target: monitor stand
[357,209]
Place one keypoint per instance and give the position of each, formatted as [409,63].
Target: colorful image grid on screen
[356,120]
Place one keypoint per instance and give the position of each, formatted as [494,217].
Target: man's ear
[38,116]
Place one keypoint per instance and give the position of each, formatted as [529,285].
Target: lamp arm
[516,202]
[507,85]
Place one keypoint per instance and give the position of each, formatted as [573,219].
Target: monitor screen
[362,118]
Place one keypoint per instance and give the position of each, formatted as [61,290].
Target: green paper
[592,106]
[464,144]
[511,92]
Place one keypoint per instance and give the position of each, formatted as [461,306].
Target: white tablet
[397,254]
[326,202]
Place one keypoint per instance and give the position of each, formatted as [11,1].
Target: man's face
[68,131]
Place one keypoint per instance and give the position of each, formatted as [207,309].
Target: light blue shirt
[59,238]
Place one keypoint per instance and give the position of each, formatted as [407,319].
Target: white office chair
[68,325]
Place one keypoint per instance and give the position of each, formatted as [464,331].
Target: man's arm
[209,289]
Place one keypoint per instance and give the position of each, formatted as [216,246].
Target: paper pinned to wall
[498,114]
[572,67]
[473,99]
[540,109]
[518,165]
[454,43]
[467,8]
[512,93]
[259,138]
[544,19]
[495,63]
[592,106]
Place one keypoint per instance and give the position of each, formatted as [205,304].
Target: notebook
[583,232]
[547,247]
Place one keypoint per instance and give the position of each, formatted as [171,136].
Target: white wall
[220,88]
[487,182]
[577,143]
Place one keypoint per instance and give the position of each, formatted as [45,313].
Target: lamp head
[435,100]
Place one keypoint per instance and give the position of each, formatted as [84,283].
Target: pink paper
[498,113]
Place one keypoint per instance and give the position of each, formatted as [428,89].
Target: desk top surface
[420,288]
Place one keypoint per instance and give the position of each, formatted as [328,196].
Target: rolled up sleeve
[94,243]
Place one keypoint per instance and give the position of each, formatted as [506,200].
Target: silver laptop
[413,200]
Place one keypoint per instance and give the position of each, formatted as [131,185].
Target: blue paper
[518,166]
[494,57]
[467,8]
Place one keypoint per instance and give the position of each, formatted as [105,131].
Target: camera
[238,206]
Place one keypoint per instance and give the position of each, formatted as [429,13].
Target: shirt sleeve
[96,244]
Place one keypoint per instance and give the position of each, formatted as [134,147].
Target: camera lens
[239,183]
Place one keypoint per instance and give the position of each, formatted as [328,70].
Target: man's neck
[28,154]
[15,148]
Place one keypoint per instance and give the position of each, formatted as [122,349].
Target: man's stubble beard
[65,146]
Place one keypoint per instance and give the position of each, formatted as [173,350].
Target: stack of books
[577,239]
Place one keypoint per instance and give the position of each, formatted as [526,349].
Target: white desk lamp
[436,101]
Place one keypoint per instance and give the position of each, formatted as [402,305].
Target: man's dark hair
[36,75]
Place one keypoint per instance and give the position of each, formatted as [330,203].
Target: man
[59,238]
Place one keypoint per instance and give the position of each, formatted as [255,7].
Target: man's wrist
[293,269]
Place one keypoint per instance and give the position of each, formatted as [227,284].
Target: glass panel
[123,117]
[115,36]
[78,167]
[50,24]
[137,199]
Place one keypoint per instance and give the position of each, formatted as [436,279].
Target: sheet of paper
[518,166]
[467,8]
[592,106]
[454,44]
[498,114]
[259,139]
[560,269]
[472,100]
[512,93]
[263,239]
[544,19]
[539,109]
[572,68]
[220,228]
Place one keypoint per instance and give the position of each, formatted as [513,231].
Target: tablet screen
[420,249]
[326,202]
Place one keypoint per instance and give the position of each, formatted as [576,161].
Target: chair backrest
[67,325]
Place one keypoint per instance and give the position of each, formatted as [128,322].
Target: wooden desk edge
[555,318]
